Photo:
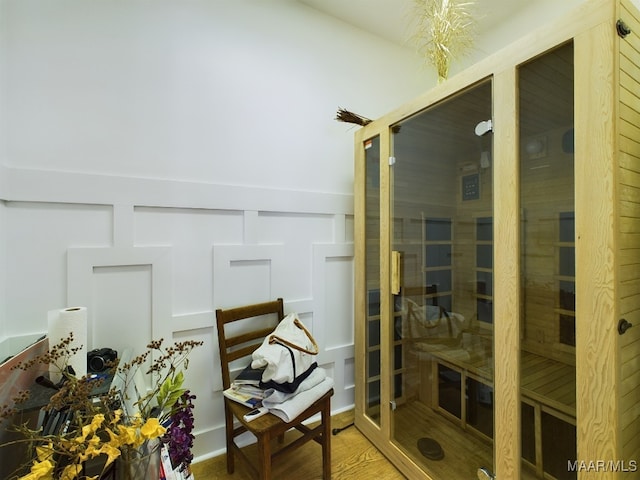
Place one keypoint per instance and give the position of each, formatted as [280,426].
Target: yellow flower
[152,429]
[92,450]
[97,421]
[44,452]
[136,420]
[40,471]
[86,430]
[127,434]
[111,452]
[114,440]
[117,414]
[71,472]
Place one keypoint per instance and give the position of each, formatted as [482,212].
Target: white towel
[290,409]
[273,397]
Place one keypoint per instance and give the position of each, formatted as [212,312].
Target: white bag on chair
[286,353]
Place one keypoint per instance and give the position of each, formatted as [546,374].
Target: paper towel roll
[61,324]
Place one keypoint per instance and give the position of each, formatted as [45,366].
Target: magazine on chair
[249,376]
[245,394]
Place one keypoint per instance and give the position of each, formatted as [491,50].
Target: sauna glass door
[372,334]
[547,205]
[442,285]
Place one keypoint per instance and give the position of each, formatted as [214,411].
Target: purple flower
[178,436]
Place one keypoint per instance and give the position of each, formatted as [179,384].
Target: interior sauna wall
[629,204]
[547,204]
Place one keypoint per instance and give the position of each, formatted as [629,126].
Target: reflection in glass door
[442,224]
[372,278]
[547,377]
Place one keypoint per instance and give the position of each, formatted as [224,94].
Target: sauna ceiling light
[483,128]
[536,148]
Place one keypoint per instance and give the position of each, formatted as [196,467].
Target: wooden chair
[247,327]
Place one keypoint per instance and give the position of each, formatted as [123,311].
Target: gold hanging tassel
[445,31]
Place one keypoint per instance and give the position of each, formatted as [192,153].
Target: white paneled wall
[160,160]
[151,267]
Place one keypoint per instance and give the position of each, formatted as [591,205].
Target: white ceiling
[391,19]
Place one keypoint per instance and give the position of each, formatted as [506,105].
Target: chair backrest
[241,330]
[422,295]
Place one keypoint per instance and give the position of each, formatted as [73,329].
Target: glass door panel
[547,377]
[372,276]
[442,239]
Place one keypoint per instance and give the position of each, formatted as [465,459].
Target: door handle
[623,326]
[485,474]
[396,258]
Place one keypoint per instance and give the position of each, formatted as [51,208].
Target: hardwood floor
[353,457]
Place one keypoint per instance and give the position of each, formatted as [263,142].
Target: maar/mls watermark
[602,466]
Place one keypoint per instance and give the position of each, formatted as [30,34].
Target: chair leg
[229,434]
[264,457]
[326,441]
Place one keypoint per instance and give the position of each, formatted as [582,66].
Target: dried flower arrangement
[100,428]
[344,115]
[445,30]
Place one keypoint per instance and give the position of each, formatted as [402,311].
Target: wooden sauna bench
[544,381]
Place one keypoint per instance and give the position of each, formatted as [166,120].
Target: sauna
[497,288]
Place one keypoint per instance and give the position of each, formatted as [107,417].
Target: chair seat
[271,422]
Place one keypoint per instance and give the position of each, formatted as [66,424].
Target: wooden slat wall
[629,255]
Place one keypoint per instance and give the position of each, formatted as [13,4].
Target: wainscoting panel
[153,259]
[121,307]
[333,309]
[88,286]
[36,237]
[246,273]
[190,232]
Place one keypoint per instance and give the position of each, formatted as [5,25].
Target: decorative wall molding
[193,321]
[333,306]
[81,269]
[325,285]
[246,273]
[18,184]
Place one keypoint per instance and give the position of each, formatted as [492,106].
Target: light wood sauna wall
[547,190]
[629,204]
[545,90]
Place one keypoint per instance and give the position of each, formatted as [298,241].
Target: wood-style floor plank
[356,458]
[353,457]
